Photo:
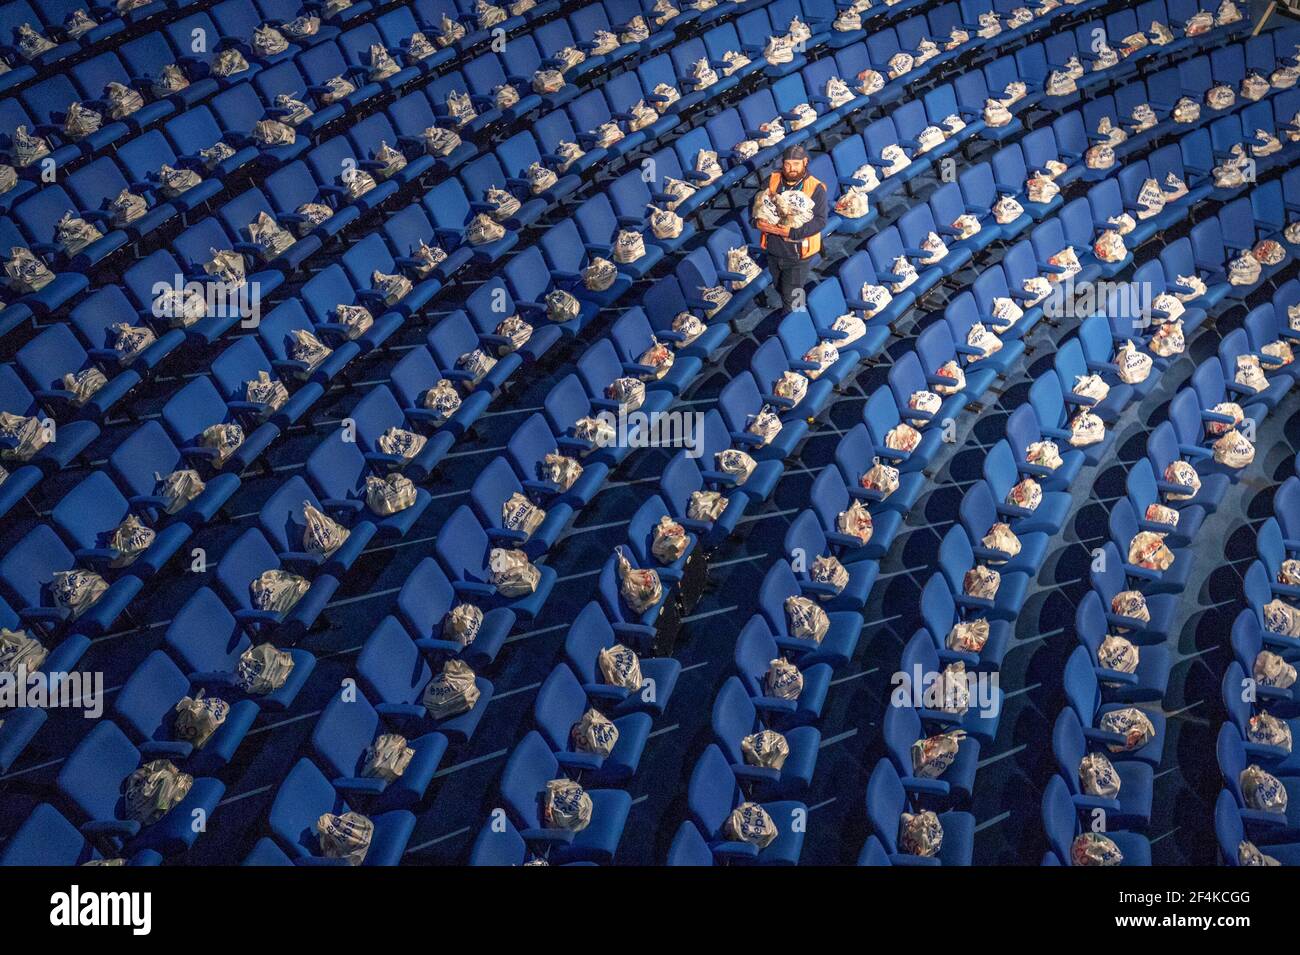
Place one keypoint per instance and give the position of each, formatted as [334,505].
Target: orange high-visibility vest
[813,244]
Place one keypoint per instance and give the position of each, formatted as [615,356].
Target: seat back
[711,792]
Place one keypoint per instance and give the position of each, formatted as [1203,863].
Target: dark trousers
[789,276]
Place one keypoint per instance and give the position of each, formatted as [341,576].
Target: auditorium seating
[240,289]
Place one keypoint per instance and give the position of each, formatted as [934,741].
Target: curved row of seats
[688,838]
[461,533]
[1067,370]
[1256,689]
[774,353]
[237,561]
[206,607]
[388,667]
[1092,689]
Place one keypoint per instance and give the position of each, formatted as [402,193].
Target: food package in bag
[462,624]
[920,834]
[1182,473]
[855,522]
[902,437]
[177,489]
[153,789]
[664,223]
[967,225]
[1269,252]
[1132,366]
[387,757]
[1281,618]
[766,748]
[401,443]
[451,692]
[1148,549]
[1160,514]
[619,666]
[690,327]
[443,400]
[599,274]
[566,805]
[1067,260]
[1265,729]
[520,514]
[198,717]
[805,619]
[952,371]
[77,590]
[1086,429]
[736,464]
[983,339]
[926,402]
[1130,723]
[881,478]
[824,354]
[792,386]
[1094,849]
[321,534]
[1027,494]
[870,82]
[996,113]
[512,573]
[278,591]
[1118,653]
[1109,247]
[670,541]
[968,636]
[783,681]
[659,358]
[1250,374]
[1044,454]
[18,649]
[853,203]
[1131,604]
[1262,791]
[130,539]
[1244,270]
[628,392]
[1097,776]
[1234,450]
[981,582]
[1002,538]
[766,424]
[83,385]
[72,234]
[515,333]
[594,733]
[827,569]
[24,272]
[266,391]
[1091,386]
[504,203]
[560,471]
[1248,854]
[1279,350]
[740,262]
[629,246]
[749,822]
[640,588]
[932,756]
[705,506]
[599,432]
